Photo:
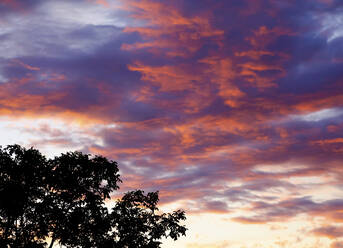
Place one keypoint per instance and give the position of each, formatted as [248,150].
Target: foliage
[62,200]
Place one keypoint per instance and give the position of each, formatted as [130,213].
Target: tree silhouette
[62,200]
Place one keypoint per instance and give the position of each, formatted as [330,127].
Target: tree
[62,200]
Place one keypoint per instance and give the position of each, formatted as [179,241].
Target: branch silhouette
[62,201]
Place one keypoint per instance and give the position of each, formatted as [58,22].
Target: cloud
[331,232]
[189,97]
[337,244]
[283,210]
[224,244]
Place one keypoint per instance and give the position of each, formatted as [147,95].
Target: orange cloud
[264,35]
[224,244]
[183,35]
[168,78]
[313,102]
[331,232]
[255,55]
[103,2]
[29,67]
[220,71]
[329,141]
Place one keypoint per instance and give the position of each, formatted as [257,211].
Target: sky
[232,109]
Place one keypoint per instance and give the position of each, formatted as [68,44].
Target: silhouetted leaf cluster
[62,200]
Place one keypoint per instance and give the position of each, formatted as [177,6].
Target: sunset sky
[232,109]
